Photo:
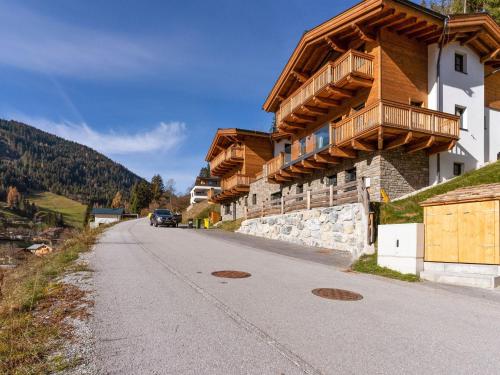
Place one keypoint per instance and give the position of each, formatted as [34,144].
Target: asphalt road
[159,310]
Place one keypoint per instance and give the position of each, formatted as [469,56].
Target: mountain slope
[32,159]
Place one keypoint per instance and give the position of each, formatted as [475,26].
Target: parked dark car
[163,217]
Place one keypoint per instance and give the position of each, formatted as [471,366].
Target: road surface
[158,310]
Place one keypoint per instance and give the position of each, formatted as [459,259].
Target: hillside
[409,211]
[34,160]
[73,212]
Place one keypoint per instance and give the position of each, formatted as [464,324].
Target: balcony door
[288,153]
[322,137]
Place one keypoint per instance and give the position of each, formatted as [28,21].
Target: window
[416,103]
[460,63]
[246,201]
[299,190]
[322,137]
[331,180]
[254,199]
[358,107]
[302,146]
[227,209]
[350,175]
[288,153]
[458,169]
[276,198]
[460,111]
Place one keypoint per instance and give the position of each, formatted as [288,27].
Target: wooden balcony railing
[274,165]
[225,159]
[396,115]
[236,180]
[352,62]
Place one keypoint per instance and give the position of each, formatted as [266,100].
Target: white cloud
[39,43]
[164,137]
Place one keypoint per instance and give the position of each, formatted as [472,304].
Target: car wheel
[151,223]
[156,225]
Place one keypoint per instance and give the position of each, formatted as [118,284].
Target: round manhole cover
[338,294]
[231,274]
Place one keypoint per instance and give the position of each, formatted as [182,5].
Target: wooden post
[308,199]
[282,205]
[331,195]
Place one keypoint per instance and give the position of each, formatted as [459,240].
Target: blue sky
[147,83]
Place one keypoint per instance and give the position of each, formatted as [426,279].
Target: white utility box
[401,247]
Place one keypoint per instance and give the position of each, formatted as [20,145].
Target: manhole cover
[338,294]
[231,274]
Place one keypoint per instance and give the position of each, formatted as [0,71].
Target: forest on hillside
[31,159]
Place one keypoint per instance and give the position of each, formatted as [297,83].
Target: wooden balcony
[325,89]
[226,160]
[384,125]
[232,187]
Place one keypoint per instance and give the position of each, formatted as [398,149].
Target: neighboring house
[199,192]
[237,156]
[389,92]
[106,216]
[39,249]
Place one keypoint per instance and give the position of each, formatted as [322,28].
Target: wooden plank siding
[492,89]
[403,68]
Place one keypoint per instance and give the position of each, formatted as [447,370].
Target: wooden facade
[236,156]
[463,226]
[362,77]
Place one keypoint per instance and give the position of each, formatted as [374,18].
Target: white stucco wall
[465,90]
[201,189]
[279,146]
[492,117]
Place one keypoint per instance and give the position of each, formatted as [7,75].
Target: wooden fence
[351,192]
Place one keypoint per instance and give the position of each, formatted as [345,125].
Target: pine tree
[157,187]
[141,197]
[205,171]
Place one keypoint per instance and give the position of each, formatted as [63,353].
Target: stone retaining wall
[341,227]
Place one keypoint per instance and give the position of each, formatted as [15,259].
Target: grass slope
[409,211]
[73,212]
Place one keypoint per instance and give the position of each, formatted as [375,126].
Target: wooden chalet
[359,83]
[237,157]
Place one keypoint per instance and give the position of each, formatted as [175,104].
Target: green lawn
[409,211]
[73,212]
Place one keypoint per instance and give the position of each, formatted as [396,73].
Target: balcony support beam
[380,138]
[294,125]
[312,165]
[343,152]
[490,56]
[442,147]
[326,101]
[361,145]
[300,170]
[288,174]
[314,110]
[326,159]
[298,116]
[399,141]
[340,92]
[299,76]
[423,144]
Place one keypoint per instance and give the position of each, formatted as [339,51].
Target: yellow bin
[206,222]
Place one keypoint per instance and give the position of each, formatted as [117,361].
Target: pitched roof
[107,211]
[467,194]
[225,137]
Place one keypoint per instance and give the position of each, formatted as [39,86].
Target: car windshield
[163,212]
